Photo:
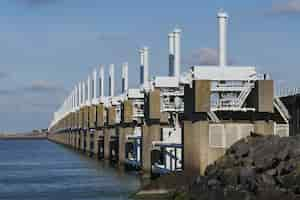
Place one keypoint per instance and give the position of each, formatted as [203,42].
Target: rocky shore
[255,168]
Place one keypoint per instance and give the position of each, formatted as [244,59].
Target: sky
[48,46]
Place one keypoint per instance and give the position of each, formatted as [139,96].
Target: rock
[272,194]
[230,176]
[198,180]
[247,178]
[267,180]
[240,149]
[290,180]
[283,154]
[271,172]
[255,168]
[238,195]
[248,161]
[213,182]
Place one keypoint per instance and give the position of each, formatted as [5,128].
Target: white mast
[94,86]
[89,89]
[124,77]
[111,80]
[171,54]
[177,52]
[146,66]
[222,19]
[101,81]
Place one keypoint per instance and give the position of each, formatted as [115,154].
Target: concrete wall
[92,116]
[124,132]
[100,115]
[108,133]
[149,134]
[199,151]
[195,147]
[96,140]
[261,97]
[127,112]
[152,105]
[264,127]
[111,112]
[201,95]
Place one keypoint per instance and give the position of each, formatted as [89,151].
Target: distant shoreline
[23,137]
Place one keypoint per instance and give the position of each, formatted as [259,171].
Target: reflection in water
[40,170]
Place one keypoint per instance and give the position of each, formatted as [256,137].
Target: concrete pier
[151,131]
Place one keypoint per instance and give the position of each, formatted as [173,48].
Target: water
[40,170]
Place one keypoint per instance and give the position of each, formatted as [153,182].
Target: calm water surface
[40,170]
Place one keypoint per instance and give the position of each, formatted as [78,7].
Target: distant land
[35,134]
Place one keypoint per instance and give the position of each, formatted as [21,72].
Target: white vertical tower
[177,52]
[171,54]
[83,92]
[76,97]
[222,19]
[73,99]
[79,94]
[89,90]
[124,77]
[94,86]
[141,52]
[146,66]
[111,81]
[101,81]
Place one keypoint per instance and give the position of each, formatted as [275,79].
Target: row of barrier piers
[145,144]
[183,121]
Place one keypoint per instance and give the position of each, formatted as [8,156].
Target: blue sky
[47,46]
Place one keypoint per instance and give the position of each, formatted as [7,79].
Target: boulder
[254,168]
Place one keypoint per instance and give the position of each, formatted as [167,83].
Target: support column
[88,142]
[195,147]
[76,140]
[124,132]
[82,140]
[78,145]
[96,146]
[150,133]
[106,143]
[72,139]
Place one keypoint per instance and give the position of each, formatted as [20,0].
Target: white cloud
[289,7]
[37,2]
[44,86]
[39,96]
[204,56]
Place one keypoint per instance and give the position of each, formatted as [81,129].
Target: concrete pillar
[88,141]
[78,144]
[195,147]
[96,147]
[82,140]
[197,152]
[124,132]
[71,139]
[74,139]
[106,143]
[150,133]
